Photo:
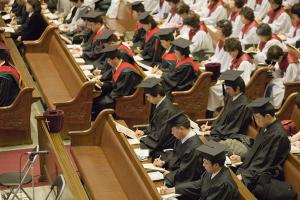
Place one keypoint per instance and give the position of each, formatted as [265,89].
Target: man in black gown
[270,148]
[183,161]
[216,182]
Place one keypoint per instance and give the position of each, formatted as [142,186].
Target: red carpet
[9,162]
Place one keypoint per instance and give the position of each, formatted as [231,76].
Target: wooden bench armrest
[31,45]
[18,99]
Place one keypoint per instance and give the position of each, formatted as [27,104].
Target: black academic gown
[221,187]
[159,136]
[233,122]
[267,155]
[124,85]
[180,78]
[168,61]
[152,50]
[139,36]
[184,162]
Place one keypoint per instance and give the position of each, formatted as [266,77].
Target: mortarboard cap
[166,34]
[232,78]
[136,5]
[106,35]
[93,16]
[111,51]
[261,105]
[144,17]
[212,151]
[179,119]
[182,43]
[150,85]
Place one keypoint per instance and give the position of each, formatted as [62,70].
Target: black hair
[138,8]
[220,161]
[264,30]
[248,13]
[239,3]
[274,52]
[155,91]
[182,8]
[232,44]
[36,5]
[225,26]
[192,20]
[186,51]
[296,9]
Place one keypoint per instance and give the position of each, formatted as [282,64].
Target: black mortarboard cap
[231,77]
[182,43]
[212,151]
[144,17]
[105,37]
[150,85]
[136,5]
[166,34]
[93,16]
[111,51]
[261,105]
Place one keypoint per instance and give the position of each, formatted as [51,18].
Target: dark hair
[150,20]
[269,109]
[36,5]
[155,91]
[182,8]
[225,26]
[248,13]
[264,30]
[296,9]
[138,8]
[173,1]
[220,161]
[186,51]
[232,44]
[192,20]
[274,52]
[4,55]
[278,2]
[239,3]
[239,82]
[181,120]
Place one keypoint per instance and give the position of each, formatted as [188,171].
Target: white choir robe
[222,57]
[293,36]
[237,26]
[261,56]
[215,96]
[196,5]
[280,25]
[289,3]
[261,10]
[251,4]
[184,32]
[151,6]
[219,14]
[172,21]
[292,74]
[163,11]
[113,9]
[249,37]
[201,41]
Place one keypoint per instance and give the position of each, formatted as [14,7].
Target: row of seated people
[186,163]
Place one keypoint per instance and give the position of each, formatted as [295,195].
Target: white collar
[188,136]
[29,15]
[215,174]
[160,102]
[1,64]
[237,96]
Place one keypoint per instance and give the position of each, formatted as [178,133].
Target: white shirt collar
[1,64]
[215,174]
[160,102]
[188,136]
[237,96]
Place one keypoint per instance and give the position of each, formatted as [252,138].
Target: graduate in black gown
[169,58]
[235,118]
[93,46]
[9,79]
[151,47]
[158,133]
[183,162]
[216,182]
[270,148]
[186,70]
[124,80]
[137,8]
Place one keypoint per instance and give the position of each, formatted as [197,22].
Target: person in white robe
[113,9]
[214,12]
[183,11]
[261,8]
[286,69]
[294,34]
[266,40]
[173,20]
[248,34]
[235,16]
[196,5]
[163,11]
[277,18]
[151,6]
[241,62]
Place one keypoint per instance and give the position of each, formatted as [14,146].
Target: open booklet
[142,154]
[295,147]
[156,176]
[171,196]
[123,129]
[229,163]
[150,166]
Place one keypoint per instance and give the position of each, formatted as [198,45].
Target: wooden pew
[258,83]
[194,101]
[107,164]
[15,120]
[291,88]
[58,162]
[60,80]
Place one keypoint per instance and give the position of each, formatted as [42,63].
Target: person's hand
[19,38]
[235,158]
[139,133]
[259,21]
[97,72]
[138,50]
[240,177]
[165,190]
[166,173]
[205,127]
[158,162]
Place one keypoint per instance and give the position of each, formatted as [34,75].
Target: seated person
[139,33]
[125,78]
[9,79]
[224,30]
[198,35]
[158,133]
[286,69]
[270,149]
[260,9]
[183,10]
[294,34]
[169,58]
[35,24]
[240,61]
[214,12]
[266,40]
[173,19]
[183,162]
[248,34]
[277,18]
[235,16]
[231,126]
[296,137]
[215,183]
[163,11]
[151,48]
[20,12]
[186,70]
